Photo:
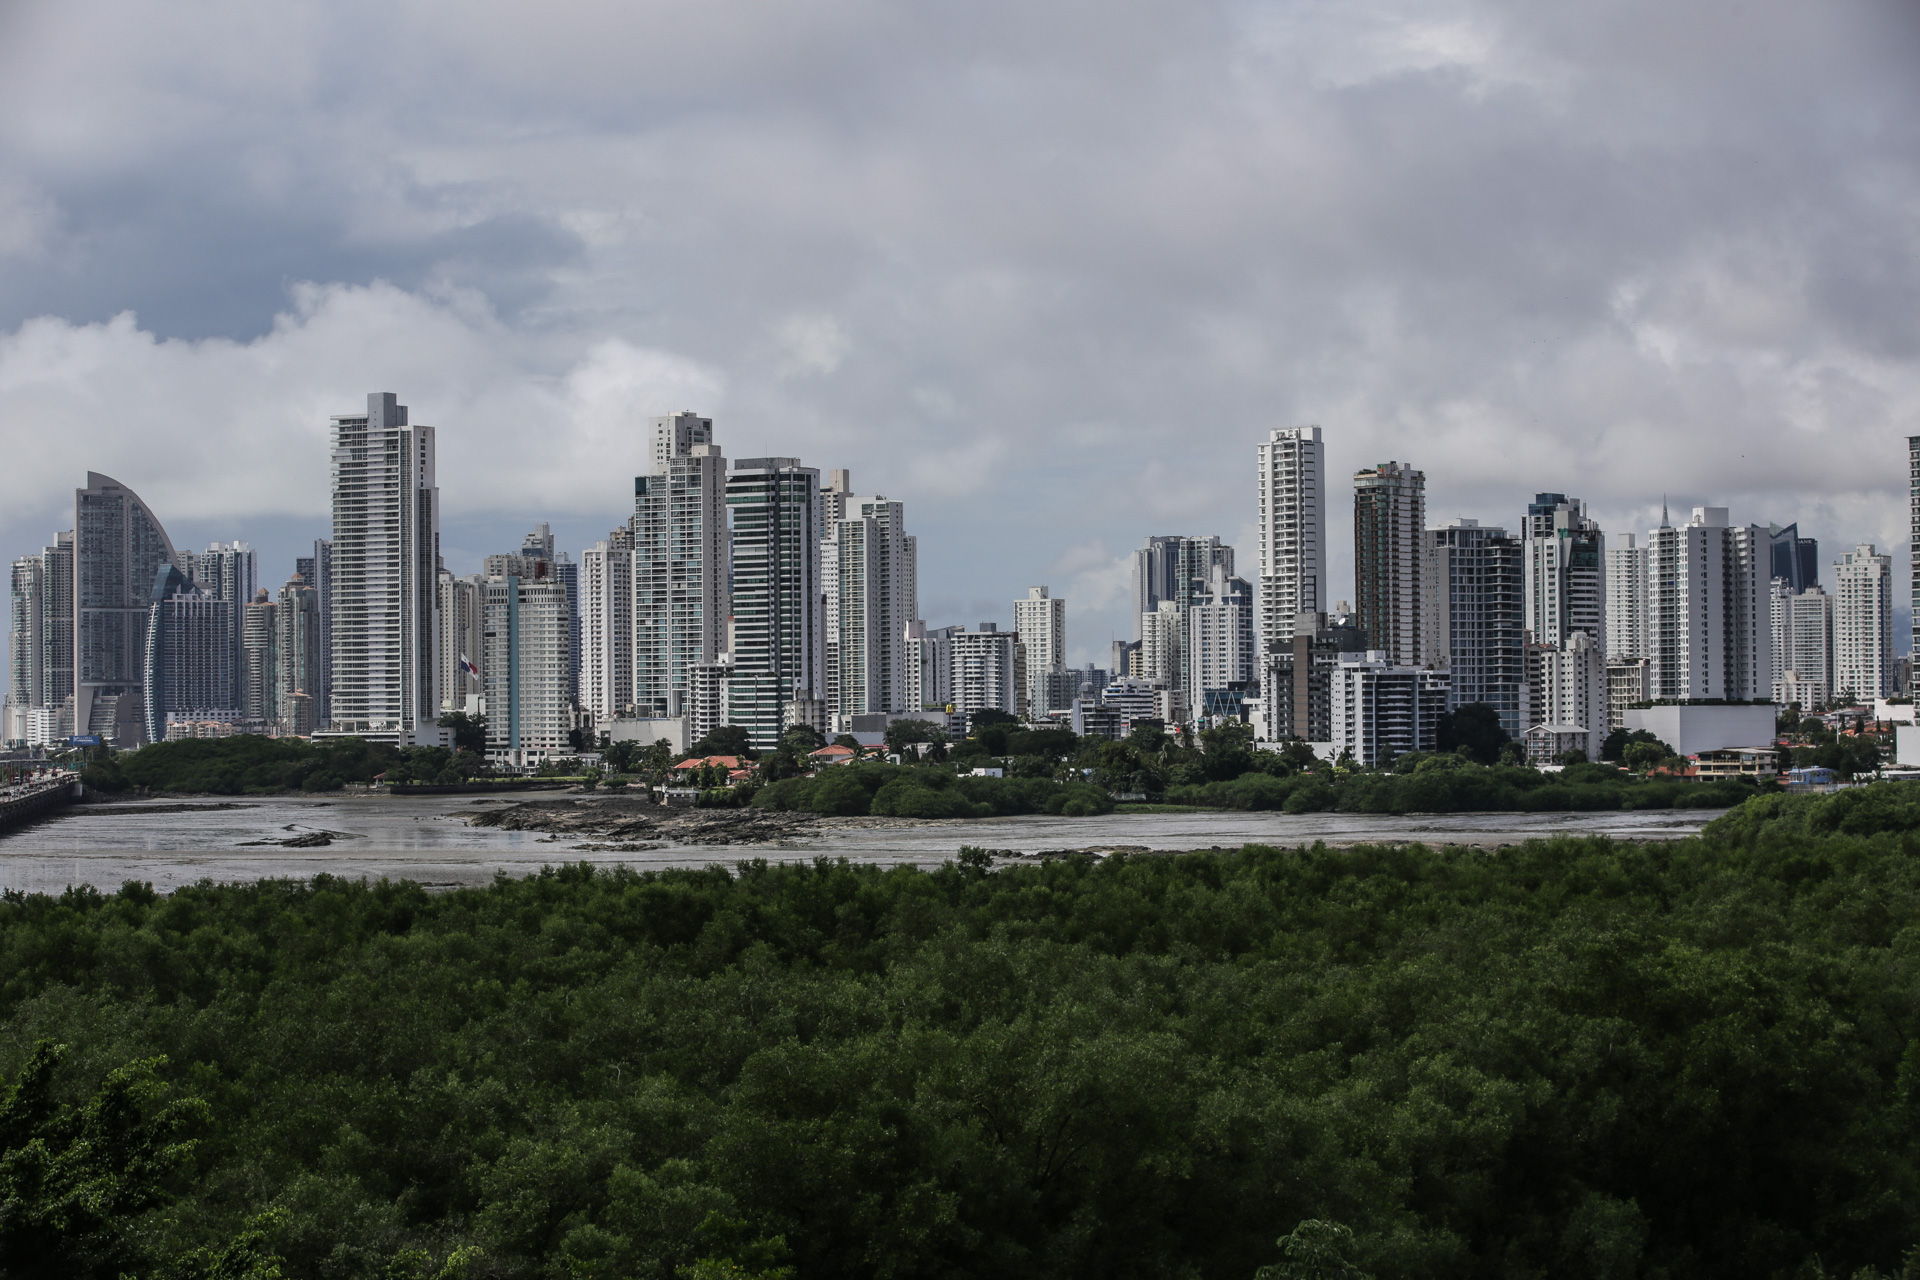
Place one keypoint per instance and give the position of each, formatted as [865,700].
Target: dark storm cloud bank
[1046,271]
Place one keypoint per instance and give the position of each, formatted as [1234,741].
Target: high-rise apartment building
[1041,621]
[1803,667]
[461,645]
[187,667]
[987,674]
[1913,534]
[606,622]
[1177,568]
[230,571]
[1708,617]
[259,661]
[679,563]
[870,587]
[1163,642]
[119,546]
[1863,624]
[317,571]
[528,642]
[1292,528]
[26,640]
[1474,624]
[779,634]
[1382,709]
[1565,571]
[1220,654]
[1389,519]
[297,651]
[386,570]
[930,665]
[37,709]
[1570,700]
[1626,598]
[1296,680]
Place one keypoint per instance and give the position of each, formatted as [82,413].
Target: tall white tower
[1709,624]
[1863,624]
[1565,572]
[871,598]
[1626,598]
[1292,530]
[386,561]
[679,563]
[1041,622]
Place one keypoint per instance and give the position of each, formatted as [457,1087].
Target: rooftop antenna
[1665,523]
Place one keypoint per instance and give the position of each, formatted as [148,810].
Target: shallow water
[424,839]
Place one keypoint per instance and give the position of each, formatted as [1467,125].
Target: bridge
[27,800]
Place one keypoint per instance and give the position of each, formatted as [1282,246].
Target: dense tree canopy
[1570,1058]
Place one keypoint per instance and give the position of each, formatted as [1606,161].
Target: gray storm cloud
[1045,270]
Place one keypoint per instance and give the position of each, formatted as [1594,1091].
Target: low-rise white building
[1691,729]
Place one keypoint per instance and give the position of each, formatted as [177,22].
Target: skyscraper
[1913,534]
[461,645]
[317,571]
[679,563]
[1863,624]
[386,564]
[525,669]
[1041,622]
[1792,557]
[606,620]
[1177,568]
[119,545]
[1805,646]
[1220,653]
[26,639]
[260,661]
[297,649]
[1708,617]
[871,597]
[987,671]
[230,571]
[187,668]
[779,635]
[1389,519]
[1475,618]
[1626,598]
[1565,572]
[1292,530]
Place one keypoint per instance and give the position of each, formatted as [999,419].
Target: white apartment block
[930,665]
[1382,710]
[1573,691]
[1626,598]
[606,626]
[1163,635]
[779,630]
[679,563]
[386,568]
[1803,645]
[529,653]
[1292,529]
[987,670]
[1863,624]
[1220,647]
[1626,685]
[871,597]
[1565,572]
[1041,621]
[1708,617]
[706,701]
[462,642]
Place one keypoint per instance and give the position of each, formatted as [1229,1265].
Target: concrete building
[1708,617]
[259,661]
[26,639]
[386,577]
[1626,685]
[1565,558]
[527,641]
[38,706]
[1472,597]
[1389,519]
[230,571]
[707,693]
[1178,568]
[1626,598]
[1863,624]
[606,622]
[1572,695]
[462,643]
[1804,645]
[930,663]
[317,571]
[1381,709]
[779,632]
[187,666]
[1221,653]
[1296,680]
[1791,558]
[1689,730]
[680,565]
[1041,622]
[987,670]
[868,564]
[1131,699]
[297,648]
[1292,529]
[1913,548]
[1162,642]
[119,545]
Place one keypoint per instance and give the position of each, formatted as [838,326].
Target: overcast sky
[1045,269]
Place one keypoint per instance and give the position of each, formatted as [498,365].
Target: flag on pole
[466,665]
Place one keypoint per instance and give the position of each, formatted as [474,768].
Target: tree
[902,732]
[727,740]
[1646,755]
[989,716]
[1617,742]
[1314,1250]
[801,739]
[1474,729]
[469,732]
